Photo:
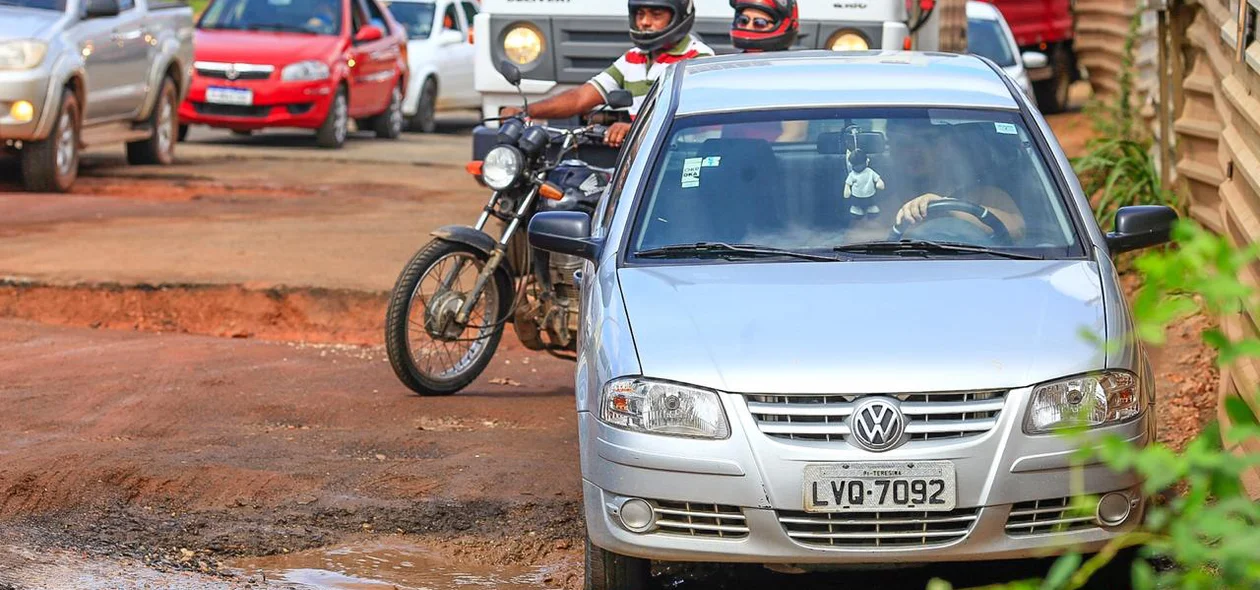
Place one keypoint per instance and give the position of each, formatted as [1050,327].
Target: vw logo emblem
[231,73]
[877,424]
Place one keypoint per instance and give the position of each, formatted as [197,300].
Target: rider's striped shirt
[635,71]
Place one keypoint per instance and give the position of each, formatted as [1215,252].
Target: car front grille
[226,71]
[231,110]
[699,520]
[1046,516]
[878,529]
[929,416]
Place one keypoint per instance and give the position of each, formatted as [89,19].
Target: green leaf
[939,584]
[1142,575]
[1061,571]
[1239,412]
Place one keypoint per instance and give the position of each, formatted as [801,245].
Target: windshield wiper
[278,27]
[722,248]
[928,246]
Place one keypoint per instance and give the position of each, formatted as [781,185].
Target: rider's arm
[573,101]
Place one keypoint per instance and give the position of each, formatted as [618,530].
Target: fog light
[636,515]
[22,111]
[1113,509]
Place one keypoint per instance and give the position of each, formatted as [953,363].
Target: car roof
[979,9]
[823,78]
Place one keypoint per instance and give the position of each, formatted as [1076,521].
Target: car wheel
[388,125]
[425,119]
[52,164]
[332,134]
[606,570]
[159,148]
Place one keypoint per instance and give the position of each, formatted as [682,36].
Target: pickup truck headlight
[523,44]
[658,407]
[22,54]
[305,71]
[1097,399]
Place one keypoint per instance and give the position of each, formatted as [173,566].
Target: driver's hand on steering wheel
[916,209]
[616,134]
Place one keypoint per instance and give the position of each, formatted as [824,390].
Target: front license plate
[236,96]
[885,486]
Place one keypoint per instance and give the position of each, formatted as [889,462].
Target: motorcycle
[452,300]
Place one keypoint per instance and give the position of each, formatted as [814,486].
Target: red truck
[1045,26]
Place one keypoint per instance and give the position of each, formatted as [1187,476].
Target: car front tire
[52,164]
[332,134]
[606,570]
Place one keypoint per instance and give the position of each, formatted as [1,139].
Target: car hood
[263,47]
[865,326]
[26,23]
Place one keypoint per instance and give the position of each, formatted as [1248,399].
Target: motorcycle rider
[661,31]
[766,25]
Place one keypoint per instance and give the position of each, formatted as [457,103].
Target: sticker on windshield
[691,172]
[1006,128]
[711,161]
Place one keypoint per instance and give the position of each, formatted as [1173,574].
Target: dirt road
[195,396]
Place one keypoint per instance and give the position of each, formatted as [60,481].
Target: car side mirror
[368,33]
[620,99]
[450,37]
[564,232]
[1141,226]
[510,72]
[1035,60]
[102,8]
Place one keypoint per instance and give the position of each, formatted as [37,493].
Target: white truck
[558,44]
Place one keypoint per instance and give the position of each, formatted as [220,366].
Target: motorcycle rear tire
[399,310]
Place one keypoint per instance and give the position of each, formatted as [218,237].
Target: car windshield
[320,17]
[58,5]
[819,180]
[986,38]
[416,17]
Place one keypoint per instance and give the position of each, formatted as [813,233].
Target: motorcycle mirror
[620,99]
[510,72]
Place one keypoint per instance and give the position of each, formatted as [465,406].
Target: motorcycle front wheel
[430,352]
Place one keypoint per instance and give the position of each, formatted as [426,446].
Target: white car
[440,55]
[989,36]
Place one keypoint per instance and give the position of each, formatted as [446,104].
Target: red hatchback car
[312,64]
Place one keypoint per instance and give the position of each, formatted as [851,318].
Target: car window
[124,5]
[321,17]
[727,177]
[415,17]
[470,12]
[451,20]
[58,5]
[986,38]
[377,17]
[634,142]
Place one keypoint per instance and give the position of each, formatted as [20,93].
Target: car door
[467,56]
[373,74]
[453,73]
[132,37]
[103,57]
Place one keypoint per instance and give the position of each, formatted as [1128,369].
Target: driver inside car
[921,150]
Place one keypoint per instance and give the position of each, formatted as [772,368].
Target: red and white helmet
[787,24]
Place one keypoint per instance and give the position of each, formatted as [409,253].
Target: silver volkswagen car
[835,311]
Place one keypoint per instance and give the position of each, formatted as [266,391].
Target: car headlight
[657,407]
[22,54]
[848,41]
[523,44]
[1098,399]
[501,167]
[308,70]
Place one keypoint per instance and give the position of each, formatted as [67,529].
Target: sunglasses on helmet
[742,21]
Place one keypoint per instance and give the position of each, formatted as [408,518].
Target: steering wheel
[936,209]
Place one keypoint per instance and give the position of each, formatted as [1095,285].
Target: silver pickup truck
[79,73]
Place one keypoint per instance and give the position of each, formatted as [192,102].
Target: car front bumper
[31,86]
[275,104]
[754,483]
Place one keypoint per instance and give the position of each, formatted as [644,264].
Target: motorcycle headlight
[523,44]
[657,407]
[848,41]
[22,54]
[305,71]
[501,167]
[1099,399]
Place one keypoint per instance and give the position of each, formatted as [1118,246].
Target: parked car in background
[312,64]
[771,372]
[77,73]
[989,35]
[440,54]
[1047,26]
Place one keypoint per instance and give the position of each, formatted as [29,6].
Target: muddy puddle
[376,565]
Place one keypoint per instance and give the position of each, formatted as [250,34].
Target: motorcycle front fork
[496,257]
